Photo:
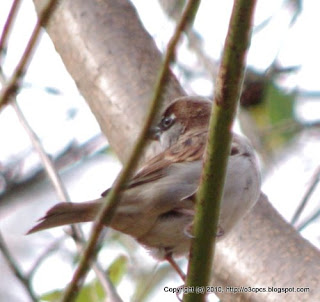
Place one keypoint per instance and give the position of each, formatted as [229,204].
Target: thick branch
[115,63]
[265,251]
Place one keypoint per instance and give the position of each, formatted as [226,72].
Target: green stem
[228,88]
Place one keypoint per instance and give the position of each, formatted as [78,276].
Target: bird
[157,206]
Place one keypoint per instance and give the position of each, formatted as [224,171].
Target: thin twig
[46,160]
[309,220]
[228,88]
[7,28]
[25,280]
[195,41]
[109,206]
[288,126]
[16,269]
[313,184]
[307,94]
[14,83]
[297,9]
[50,249]
[112,294]
[62,193]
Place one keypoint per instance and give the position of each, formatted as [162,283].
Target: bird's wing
[188,148]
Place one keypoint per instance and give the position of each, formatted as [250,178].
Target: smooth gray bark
[114,62]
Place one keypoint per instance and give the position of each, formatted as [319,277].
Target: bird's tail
[67,213]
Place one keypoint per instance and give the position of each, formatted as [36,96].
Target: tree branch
[61,191]
[7,28]
[114,63]
[63,195]
[14,82]
[114,196]
[25,281]
[227,93]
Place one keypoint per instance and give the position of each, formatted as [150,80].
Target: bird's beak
[154,133]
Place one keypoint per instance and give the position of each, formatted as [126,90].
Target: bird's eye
[234,150]
[167,122]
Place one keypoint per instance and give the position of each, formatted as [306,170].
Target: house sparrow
[158,205]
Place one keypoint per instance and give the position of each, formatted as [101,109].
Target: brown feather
[188,148]
[67,213]
[192,114]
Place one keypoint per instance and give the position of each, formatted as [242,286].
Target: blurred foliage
[276,108]
[147,283]
[118,269]
[271,108]
[93,290]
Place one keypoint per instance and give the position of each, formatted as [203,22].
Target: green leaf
[273,114]
[92,292]
[52,296]
[117,269]
[280,105]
